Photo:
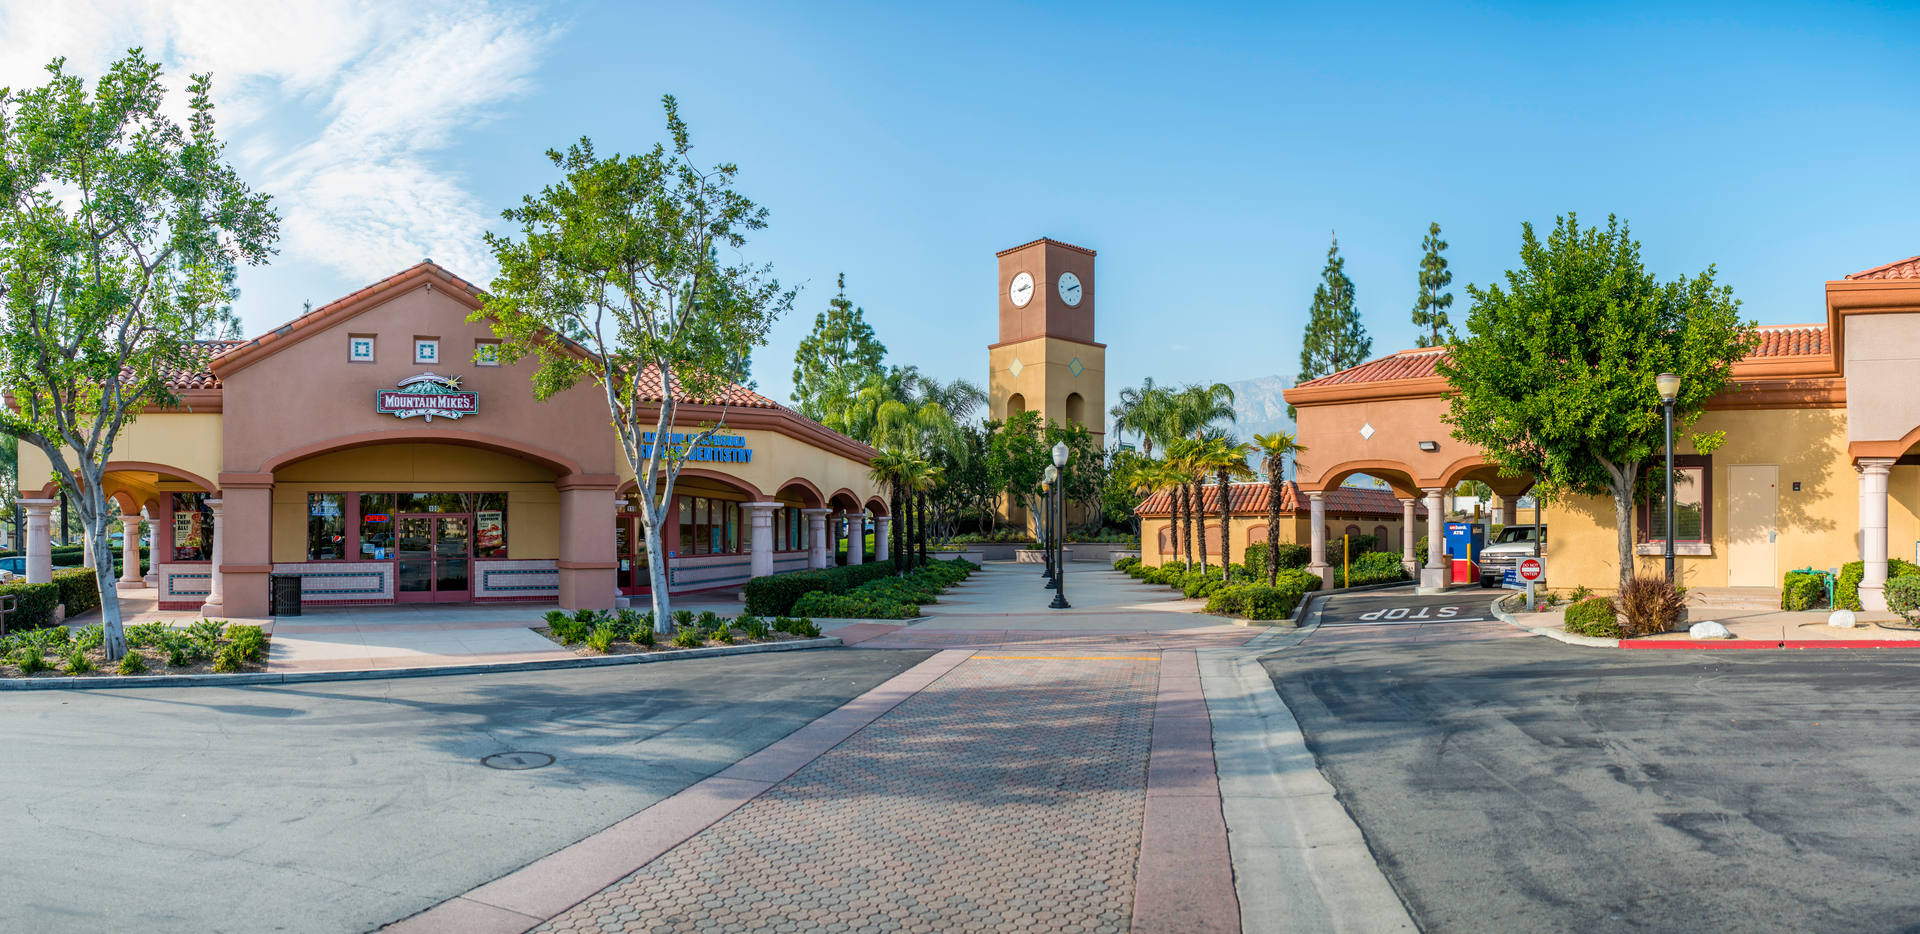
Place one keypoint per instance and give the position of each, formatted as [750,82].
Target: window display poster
[186,531]
[489,529]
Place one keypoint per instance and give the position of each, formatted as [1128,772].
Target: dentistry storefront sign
[725,449]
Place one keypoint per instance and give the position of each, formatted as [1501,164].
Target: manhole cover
[517,761]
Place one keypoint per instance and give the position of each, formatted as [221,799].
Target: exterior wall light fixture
[1429,446]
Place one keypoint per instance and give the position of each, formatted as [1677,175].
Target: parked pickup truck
[1514,543]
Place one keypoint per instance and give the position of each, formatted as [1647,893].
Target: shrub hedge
[873,590]
[1290,556]
[33,604]
[1846,588]
[1374,567]
[1593,617]
[1903,597]
[79,591]
[852,606]
[1802,591]
[775,594]
[1259,601]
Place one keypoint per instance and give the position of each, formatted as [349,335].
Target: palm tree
[916,478]
[1140,411]
[1227,457]
[888,469]
[1274,450]
[1183,455]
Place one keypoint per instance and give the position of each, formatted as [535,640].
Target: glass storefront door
[630,548]
[435,558]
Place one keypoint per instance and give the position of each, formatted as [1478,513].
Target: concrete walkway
[1044,771]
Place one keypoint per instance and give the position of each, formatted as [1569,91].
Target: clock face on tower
[1020,290]
[1070,288]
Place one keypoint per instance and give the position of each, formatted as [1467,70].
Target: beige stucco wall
[1883,353]
[1817,525]
[187,441]
[1045,380]
[533,511]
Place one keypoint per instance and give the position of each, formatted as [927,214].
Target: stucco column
[817,556]
[152,579]
[760,538]
[243,556]
[880,526]
[39,539]
[856,538]
[1859,539]
[1317,538]
[587,565]
[1408,552]
[130,554]
[216,604]
[1433,577]
[1496,510]
[1873,531]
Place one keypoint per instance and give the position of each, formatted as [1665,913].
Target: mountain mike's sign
[425,396]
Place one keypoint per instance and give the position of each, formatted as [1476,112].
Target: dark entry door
[435,558]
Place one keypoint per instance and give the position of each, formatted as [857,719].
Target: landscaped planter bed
[157,650]
[628,632]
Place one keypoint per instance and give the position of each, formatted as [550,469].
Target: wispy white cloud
[338,108]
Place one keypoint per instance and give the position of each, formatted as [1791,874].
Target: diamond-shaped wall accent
[1366,431]
[1075,367]
[1015,367]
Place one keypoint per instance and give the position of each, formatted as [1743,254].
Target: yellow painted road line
[1079,658]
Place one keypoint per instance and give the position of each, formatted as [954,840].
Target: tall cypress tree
[841,346]
[1334,339]
[1430,311]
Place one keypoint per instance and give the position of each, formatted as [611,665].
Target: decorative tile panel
[515,578]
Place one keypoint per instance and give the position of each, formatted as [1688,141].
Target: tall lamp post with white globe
[1048,481]
[1060,537]
[1669,386]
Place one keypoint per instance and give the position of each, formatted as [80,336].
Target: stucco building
[1819,467]
[379,449]
[1347,511]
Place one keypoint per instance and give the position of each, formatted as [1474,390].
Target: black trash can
[284,595]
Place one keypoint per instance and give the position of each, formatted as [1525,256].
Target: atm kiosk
[1464,541]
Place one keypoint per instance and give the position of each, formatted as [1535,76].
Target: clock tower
[1046,360]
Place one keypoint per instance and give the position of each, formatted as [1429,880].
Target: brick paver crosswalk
[1008,795]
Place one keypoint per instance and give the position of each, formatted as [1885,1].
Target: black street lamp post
[1047,485]
[1669,386]
[1060,538]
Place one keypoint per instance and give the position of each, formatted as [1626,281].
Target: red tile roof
[198,376]
[1407,364]
[1251,499]
[1776,340]
[732,394]
[1792,340]
[1908,268]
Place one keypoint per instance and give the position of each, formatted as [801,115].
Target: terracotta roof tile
[198,376]
[733,394]
[1251,499]
[1792,340]
[1776,340]
[1908,268]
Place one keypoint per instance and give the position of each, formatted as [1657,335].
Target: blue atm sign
[724,449]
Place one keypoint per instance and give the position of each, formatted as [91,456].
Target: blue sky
[1205,152]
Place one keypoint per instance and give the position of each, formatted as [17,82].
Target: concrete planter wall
[1104,552]
[1037,555]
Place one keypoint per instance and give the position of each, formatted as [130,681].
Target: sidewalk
[1762,626]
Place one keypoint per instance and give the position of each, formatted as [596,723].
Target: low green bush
[30,659]
[644,634]
[1803,591]
[1903,597]
[250,640]
[1125,563]
[79,590]
[753,626]
[724,635]
[1290,556]
[775,594]
[1260,601]
[688,638]
[1846,587]
[146,635]
[132,663]
[601,639]
[90,637]
[77,663]
[1594,616]
[33,604]
[229,659]
[1374,567]
[851,606]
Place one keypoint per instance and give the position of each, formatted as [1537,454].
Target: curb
[377,674]
[1595,642]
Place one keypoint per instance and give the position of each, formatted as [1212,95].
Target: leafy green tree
[1141,410]
[9,488]
[119,231]
[1085,475]
[1126,487]
[1021,454]
[1555,378]
[1430,309]
[621,258]
[1334,338]
[841,347]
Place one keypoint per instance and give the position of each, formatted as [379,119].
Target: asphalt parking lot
[342,806]
[1519,784]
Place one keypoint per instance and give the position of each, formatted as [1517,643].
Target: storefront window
[326,526]
[490,525]
[1689,509]
[376,526]
[733,528]
[686,525]
[192,527]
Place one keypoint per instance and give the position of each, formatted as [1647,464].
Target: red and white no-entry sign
[1531,569]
